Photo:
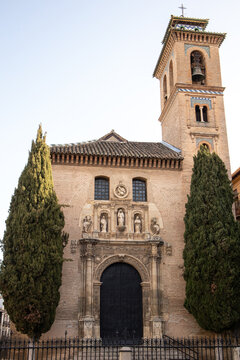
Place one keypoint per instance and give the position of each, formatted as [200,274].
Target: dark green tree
[212,246]
[33,246]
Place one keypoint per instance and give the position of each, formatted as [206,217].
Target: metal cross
[182,8]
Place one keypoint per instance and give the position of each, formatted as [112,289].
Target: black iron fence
[166,348]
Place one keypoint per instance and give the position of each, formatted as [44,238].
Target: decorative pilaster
[86,322]
[155,290]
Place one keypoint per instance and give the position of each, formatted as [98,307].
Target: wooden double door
[121,303]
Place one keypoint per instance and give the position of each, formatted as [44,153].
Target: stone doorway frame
[143,272]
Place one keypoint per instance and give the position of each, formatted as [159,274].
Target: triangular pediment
[112,136]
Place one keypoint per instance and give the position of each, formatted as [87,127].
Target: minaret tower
[188,69]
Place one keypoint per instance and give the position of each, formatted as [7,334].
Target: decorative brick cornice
[116,161]
[193,37]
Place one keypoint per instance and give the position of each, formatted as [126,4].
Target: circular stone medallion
[120,191]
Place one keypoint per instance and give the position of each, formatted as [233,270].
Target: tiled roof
[130,149]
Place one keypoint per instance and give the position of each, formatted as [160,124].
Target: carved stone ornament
[121,191]
[87,223]
[73,246]
[168,249]
[155,228]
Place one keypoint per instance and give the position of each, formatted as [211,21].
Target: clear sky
[84,67]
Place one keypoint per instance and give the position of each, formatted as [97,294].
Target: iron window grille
[139,190]
[101,189]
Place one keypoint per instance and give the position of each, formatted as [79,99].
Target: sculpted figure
[137,224]
[121,217]
[103,224]
[87,222]
[155,228]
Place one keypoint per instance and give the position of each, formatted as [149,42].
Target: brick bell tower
[191,90]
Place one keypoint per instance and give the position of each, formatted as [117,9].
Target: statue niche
[137,224]
[121,220]
[104,223]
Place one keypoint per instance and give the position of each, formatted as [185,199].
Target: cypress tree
[212,246]
[33,246]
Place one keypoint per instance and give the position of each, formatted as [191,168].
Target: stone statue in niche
[87,222]
[121,219]
[137,224]
[104,223]
[155,228]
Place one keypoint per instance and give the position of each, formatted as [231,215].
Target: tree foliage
[33,245]
[212,246]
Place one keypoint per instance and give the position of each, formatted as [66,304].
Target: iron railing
[166,348]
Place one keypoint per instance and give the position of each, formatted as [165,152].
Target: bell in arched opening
[198,68]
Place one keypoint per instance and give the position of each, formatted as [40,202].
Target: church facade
[126,202]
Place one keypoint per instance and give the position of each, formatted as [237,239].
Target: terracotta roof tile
[124,149]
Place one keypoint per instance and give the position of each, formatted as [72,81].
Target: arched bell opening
[198,68]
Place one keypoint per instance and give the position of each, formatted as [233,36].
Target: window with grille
[139,190]
[101,189]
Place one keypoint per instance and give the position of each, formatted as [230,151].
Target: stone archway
[145,284]
[131,260]
[121,302]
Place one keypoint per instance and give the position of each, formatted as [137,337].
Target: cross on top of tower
[182,8]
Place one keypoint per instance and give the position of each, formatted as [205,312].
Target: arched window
[206,146]
[139,190]
[165,88]
[198,68]
[205,114]
[171,75]
[198,113]
[101,188]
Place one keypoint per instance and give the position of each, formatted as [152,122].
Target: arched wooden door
[121,302]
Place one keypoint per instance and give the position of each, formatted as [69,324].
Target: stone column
[88,282]
[201,113]
[155,308]
[87,321]
[154,258]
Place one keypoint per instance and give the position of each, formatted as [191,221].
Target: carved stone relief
[121,191]
[73,246]
[87,223]
[139,266]
[155,228]
[168,249]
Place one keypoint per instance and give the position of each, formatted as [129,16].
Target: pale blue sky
[83,68]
